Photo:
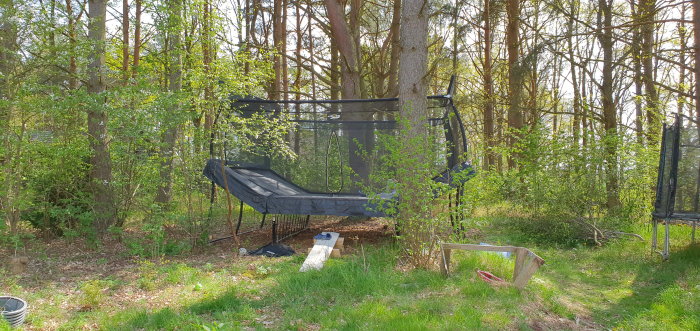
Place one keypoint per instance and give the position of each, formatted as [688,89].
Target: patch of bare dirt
[355,230]
[540,319]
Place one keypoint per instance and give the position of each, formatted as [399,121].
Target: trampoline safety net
[335,147]
[678,186]
[322,157]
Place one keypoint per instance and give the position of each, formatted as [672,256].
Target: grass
[620,285]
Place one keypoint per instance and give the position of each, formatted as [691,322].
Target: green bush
[557,183]
[93,293]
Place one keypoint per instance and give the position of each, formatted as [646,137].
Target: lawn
[620,285]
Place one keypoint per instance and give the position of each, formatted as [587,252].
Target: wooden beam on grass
[320,252]
[526,262]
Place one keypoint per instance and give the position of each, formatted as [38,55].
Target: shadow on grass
[664,293]
[350,294]
[227,306]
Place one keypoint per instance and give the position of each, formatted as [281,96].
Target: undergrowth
[620,285]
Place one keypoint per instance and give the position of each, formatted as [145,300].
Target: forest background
[107,109]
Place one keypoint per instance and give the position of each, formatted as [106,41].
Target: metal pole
[654,233]
[240,217]
[274,229]
[667,241]
[263,220]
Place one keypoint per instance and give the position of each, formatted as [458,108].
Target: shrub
[92,293]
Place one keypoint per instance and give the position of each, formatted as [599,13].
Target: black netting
[678,188]
[686,195]
[333,146]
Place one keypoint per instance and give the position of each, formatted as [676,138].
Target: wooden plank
[340,243]
[320,252]
[520,255]
[335,253]
[445,263]
[483,248]
[526,262]
[530,265]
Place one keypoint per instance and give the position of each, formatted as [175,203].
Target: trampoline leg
[654,233]
[262,223]
[240,217]
[692,234]
[274,230]
[667,239]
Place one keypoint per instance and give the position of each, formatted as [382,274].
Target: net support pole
[240,217]
[262,223]
[274,230]
[654,234]
[667,240]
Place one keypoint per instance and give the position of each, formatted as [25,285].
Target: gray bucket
[14,310]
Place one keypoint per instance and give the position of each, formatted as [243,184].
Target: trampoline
[678,184]
[339,150]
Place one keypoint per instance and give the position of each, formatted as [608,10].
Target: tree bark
[73,43]
[647,10]
[100,160]
[515,77]
[413,66]
[125,41]
[9,191]
[351,86]
[207,59]
[169,136]
[637,77]
[393,87]
[682,35]
[137,38]
[488,88]
[696,40]
[278,37]
[576,129]
[349,62]
[605,37]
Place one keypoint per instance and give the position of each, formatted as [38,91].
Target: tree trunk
[207,59]
[100,160]
[349,62]
[696,40]
[682,35]
[312,52]
[334,74]
[137,38]
[395,50]
[351,86]
[9,191]
[637,66]
[574,81]
[73,43]
[278,36]
[413,66]
[125,41]
[605,37]
[515,77]
[283,52]
[297,78]
[488,88]
[647,10]
[169,136]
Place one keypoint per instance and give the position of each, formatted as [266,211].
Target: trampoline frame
[290,224]
[664,208]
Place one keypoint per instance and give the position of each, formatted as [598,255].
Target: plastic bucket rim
[9,297]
